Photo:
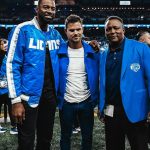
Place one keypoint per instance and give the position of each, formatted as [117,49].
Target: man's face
[145,38]
[74,32]
[46,11]
[114,31]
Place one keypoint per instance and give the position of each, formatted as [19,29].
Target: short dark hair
[1,39]
[72,19]
[114,17]
[39,2]
[139,34]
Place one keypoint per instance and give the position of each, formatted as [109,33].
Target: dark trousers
[84,111]
[117,127]
[148,134]
[76,123]
[5,99]
[39,120]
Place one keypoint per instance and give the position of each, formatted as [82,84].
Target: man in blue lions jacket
[78,84]
[32,73]
[124,88]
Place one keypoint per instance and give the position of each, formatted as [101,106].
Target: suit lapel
[103,67]
[126,56]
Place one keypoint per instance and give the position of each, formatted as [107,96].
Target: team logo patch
[135,67]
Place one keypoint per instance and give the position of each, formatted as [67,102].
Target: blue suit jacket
[134,81]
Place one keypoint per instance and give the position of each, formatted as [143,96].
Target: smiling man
[124,88]
[78,84]
[32,73]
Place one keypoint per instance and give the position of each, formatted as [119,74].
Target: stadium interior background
[135,13]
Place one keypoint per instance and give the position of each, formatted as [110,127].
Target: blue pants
[84,111]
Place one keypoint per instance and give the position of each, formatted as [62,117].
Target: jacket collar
[35,22]
[64,49]
[126,55]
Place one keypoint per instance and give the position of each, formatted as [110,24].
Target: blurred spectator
[2,53]
[3,86]
[143,36]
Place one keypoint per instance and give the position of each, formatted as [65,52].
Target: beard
[46,20]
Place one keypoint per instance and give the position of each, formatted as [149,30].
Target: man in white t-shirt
[78,85]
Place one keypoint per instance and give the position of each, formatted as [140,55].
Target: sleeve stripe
[11,52]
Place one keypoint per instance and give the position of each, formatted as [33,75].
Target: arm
[95,45]
[14,64]
[100,116]
[145,58]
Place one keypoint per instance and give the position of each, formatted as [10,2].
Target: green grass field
[9,142]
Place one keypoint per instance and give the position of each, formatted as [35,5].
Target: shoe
[14,130]
[74,131]
[2,129]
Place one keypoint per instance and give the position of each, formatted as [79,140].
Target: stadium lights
[85,25]
[125,3]
[35,3]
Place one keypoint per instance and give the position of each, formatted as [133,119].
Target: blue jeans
[85,112]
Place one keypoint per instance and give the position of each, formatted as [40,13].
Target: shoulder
[22,26]
[136,47]
[134,43]
[86,44]
[54,31]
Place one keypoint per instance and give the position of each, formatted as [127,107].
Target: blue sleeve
[146,59]
[16,46]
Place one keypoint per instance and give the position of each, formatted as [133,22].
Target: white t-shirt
[76,86]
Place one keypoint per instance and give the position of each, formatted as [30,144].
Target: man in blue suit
[124,88]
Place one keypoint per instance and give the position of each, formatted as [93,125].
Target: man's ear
[142,40]
[65,31]
[123,28]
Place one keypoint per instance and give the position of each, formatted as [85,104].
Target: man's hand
[148,117]
[18,112]
[95,45]
[100,116]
